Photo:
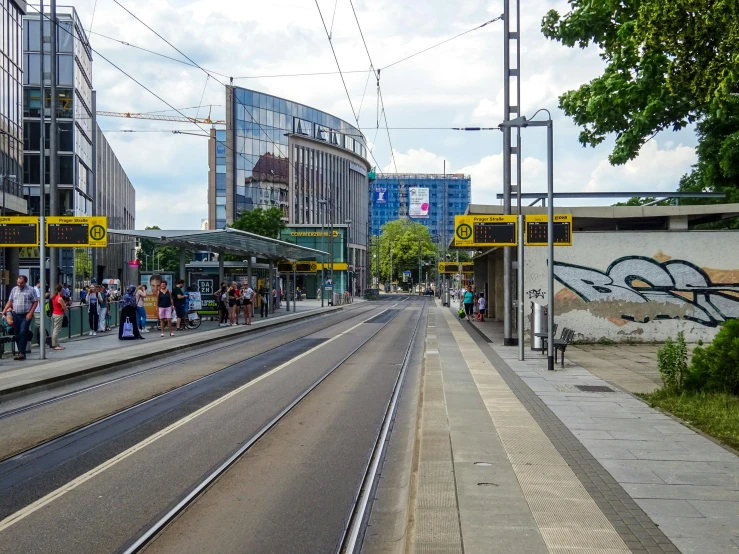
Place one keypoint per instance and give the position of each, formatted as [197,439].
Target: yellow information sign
[18,231]
[536,230]
[485,231]
[71,232]
[452,268]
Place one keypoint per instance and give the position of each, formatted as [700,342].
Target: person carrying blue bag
[128,329]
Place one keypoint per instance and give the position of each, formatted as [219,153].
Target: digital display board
[452,268]
[19,231]
[481,231]
[537,226]
[68,232]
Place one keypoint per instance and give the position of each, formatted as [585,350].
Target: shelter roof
[226,241]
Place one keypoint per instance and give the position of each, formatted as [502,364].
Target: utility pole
[391,267]
[322,203]
[94,269]
[42,191]
[509,151]
[54,253]
[420,275]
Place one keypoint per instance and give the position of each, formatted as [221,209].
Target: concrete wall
[641,286]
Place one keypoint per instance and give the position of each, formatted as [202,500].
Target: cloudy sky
[457,84]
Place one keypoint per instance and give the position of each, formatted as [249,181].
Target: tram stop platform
[86,355]
[493,454]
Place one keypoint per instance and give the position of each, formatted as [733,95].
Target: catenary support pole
[221,268]
[270,285]
[54,253]
[550,243]
[183,263]
[42,192]
[520,313]
[93,177]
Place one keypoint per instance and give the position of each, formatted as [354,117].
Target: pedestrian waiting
[20,307]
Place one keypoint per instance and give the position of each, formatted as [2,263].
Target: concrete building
[633,273]
[112,192]
[115,198]
[11,126]
[448,195]
[275,152]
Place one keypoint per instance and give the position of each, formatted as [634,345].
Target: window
[220,182]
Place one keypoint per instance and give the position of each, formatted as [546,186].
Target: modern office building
[112,191]
[114,198]
[433,200]
[310,164]
[11,126]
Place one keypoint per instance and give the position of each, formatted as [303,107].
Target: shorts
[468,308]
[180,311]
[247,301]
[482,311]
[231,302]
[165,313]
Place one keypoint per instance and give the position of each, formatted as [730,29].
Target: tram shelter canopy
[224,241]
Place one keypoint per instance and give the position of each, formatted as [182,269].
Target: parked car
[429,292]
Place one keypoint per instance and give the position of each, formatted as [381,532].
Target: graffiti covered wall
[642,286]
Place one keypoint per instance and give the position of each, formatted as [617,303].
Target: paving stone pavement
[663,486]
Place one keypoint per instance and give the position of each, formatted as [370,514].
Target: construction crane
[182,119]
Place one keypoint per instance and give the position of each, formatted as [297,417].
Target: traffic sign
[536,230]
[68,232]
[485,231]
[19,231]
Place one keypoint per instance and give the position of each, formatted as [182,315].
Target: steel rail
[145,538]
[86,426]
[232,343]
[353,537]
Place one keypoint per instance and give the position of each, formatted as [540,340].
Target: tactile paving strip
[549,485]
[635,528]
[436,511]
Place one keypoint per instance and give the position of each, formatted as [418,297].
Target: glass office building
[11,89]
[448,196]
[73,111]
[310,164]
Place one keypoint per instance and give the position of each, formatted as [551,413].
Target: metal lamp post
[322,203]
[523,122]
[348,249]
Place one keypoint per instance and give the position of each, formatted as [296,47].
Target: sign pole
[550,243]
[521,225]
[42,192]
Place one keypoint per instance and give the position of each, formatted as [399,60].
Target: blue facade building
[448,195]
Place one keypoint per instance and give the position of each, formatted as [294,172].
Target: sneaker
[91,333]
[144,330]
[94,334]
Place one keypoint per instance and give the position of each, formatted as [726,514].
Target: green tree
[267,223]
[405,236]
[155,257]
[667,65]
[82,264]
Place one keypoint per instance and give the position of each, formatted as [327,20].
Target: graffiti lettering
[535,293]
[678,284]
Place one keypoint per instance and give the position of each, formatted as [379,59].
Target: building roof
[607,217]
[225,241]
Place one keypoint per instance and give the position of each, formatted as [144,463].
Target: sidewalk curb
[206,337]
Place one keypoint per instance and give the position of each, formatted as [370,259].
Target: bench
[561,343]
[545,336]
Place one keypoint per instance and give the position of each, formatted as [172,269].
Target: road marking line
[49,498]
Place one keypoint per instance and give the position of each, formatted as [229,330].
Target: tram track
[316,326]
[355,338]
[352,535]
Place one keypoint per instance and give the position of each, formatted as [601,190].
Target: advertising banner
[206,285]
[419,202]
[152,282]
[380,196]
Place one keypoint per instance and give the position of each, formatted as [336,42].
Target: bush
[716,367]
[672,360]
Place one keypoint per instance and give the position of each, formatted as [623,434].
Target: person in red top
[58,305]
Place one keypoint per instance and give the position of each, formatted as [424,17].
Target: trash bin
[445,298]
[538,324]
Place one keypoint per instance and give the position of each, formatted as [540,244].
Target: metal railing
[79,324]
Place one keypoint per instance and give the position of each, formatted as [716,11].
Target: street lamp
[523,122]
[322,203]
[348,249]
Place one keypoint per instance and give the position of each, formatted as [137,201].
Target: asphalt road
[97,489]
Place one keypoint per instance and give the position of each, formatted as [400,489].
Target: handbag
[127,329]
[461,313]
[65,321]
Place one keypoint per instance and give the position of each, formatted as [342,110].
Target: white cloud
[456,84]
